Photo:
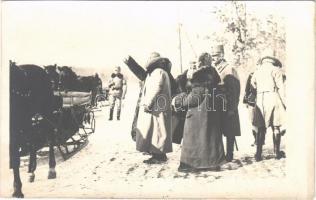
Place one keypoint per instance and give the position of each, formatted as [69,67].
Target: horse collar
[21,94]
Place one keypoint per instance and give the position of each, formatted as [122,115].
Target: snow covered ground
[109,166]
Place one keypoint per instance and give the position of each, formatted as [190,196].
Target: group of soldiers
[183,116]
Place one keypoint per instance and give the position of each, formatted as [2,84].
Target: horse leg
[17,183]
[86,118]
[52,162]
[32,164]
[15,164]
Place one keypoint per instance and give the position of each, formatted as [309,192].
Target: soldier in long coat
[153,126]
[268,80]
[202,146]
[230,88]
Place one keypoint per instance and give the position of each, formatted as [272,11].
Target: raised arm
[139,72]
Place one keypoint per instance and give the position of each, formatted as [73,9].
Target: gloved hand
[147,109]
[126,59]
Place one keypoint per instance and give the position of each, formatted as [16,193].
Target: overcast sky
[100,34]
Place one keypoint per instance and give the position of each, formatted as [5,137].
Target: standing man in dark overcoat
[230,88]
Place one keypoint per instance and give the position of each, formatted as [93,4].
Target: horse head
[67,78]
[12,64]
[17,80]
[51,70]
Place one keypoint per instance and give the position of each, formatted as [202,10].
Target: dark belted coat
[230,88]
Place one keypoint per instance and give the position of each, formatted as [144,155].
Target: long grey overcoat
[153,129]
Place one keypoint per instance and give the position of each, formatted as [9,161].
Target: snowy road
[109,166]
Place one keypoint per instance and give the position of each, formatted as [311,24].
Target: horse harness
[21,94]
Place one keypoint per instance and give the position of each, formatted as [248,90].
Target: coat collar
[221,66]
[20,93]
[159,62]
[119,75]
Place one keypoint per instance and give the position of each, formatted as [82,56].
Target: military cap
[217,49]
[268,55]
[276,62]
[154,55]
[117,68]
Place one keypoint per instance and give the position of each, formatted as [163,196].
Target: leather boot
[111,114]
[264,138]
[258,155]
[279,154]
[118,116]
[156,159]
[255,137]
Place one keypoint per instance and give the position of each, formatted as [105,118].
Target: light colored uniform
[153,130]
[116,92]
[269,110]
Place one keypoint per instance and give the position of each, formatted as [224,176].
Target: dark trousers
[230,140]
[260,140]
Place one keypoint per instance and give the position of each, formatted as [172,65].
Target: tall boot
[260,136]
[279,154]
[230,148]
[255,137]
[118,114]
[264,138]
[111,114]
[274,141]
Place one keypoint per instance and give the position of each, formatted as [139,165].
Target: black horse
[69,80]
[51,70]
[90,84]
[31,107]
